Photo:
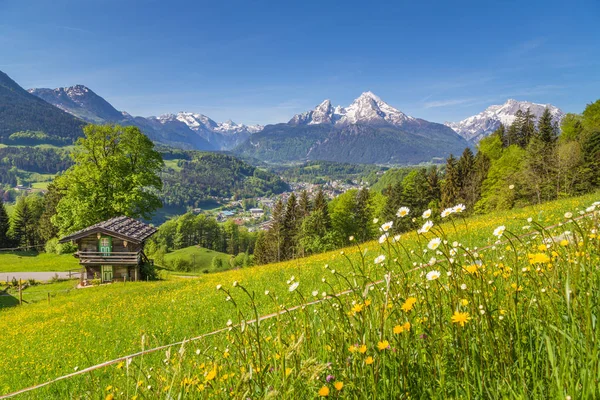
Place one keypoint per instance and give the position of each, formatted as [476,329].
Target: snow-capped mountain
[223,135]
[367,131]
[367,108]
[483,124]
[184,129]
[79,101]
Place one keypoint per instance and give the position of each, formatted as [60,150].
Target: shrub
[65,248]
[51,245]
[148,272]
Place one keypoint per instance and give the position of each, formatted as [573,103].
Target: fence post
[20,294]
[48,297]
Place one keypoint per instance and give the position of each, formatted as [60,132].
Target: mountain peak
[478,126]
[366,108]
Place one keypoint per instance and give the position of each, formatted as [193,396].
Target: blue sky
[264,61]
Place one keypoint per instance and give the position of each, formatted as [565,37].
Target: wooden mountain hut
[112,250]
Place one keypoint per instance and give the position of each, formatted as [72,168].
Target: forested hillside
[205,175]
[22,111]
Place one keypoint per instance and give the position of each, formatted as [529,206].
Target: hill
[325,339]
[369,131]
[196,259]
[21,111]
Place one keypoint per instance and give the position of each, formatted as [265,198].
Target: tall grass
[446,319]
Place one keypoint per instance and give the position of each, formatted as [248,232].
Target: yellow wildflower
[409,304]
[362,349]
[398,329]
[352,348]
[110,396]
[406,326]
[369,360]
[324,391]
[460,318]
[357,308]
[464,302]
[383,345]
[338,386]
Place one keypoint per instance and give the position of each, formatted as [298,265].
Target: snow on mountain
[483,124]
[200,122]
[367,108]
[80,101]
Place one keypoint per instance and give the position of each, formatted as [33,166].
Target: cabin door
[105,245]
[107,273]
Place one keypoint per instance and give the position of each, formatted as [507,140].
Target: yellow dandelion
[409,304]
[383,345]
[357,308]
[362,349]
[338,386]
[464,302]
[110,396]
[460,318]
[406,326]
[369,360]
[352,348]
[398,329]
[324,391]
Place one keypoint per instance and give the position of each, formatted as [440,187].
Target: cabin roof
[122,227]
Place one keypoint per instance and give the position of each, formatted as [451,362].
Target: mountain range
[368,131]
[483,124]
[185,129]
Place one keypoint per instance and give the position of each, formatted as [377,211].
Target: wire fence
[253,321]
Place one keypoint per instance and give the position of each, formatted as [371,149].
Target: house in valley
[112,250]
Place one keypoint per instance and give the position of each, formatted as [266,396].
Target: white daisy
[433,275]
[434,243]
[402,212]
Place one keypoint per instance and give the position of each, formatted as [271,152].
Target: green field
[32,261]
[36,293]
[544,346]
[199,258]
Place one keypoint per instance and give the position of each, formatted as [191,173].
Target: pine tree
[502,134]
[304,205]
[320,203]
[274,236]
[433,186]
[290,228]
[46,229]
[393,202]
[547,130]
[514,134]
[4,226]
[527,128]
[465,171]
[25,219]
[450,186]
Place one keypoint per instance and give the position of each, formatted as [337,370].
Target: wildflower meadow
[496,306]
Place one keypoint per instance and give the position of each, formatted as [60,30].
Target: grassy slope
[109,321]
[36,262]
[199,257]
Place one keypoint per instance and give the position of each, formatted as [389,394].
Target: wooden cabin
[112,250]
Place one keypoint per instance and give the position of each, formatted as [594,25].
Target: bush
[179,264]
[148,272]
[51,245]
[217,263]
[65,248]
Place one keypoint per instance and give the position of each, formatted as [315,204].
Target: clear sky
[264,61]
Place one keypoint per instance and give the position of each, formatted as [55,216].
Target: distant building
[257,212]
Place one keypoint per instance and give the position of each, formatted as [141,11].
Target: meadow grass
[528,323]
[32,261]
[199,258]
[36,293]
